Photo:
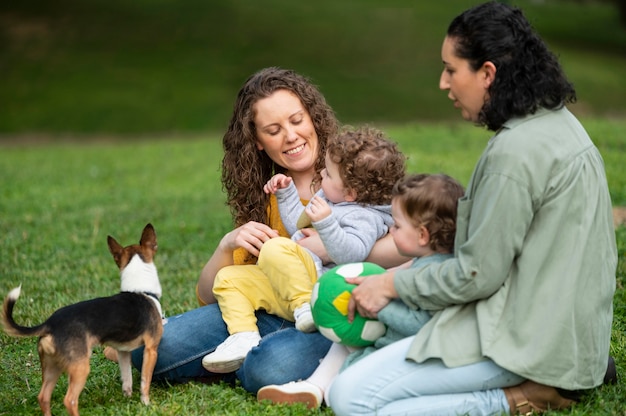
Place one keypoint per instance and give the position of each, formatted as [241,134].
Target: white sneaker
[304,318]
[229,355]
[294,392]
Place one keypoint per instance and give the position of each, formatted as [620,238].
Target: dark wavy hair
[369,163]
[431,200]
[244,168]
[528,75]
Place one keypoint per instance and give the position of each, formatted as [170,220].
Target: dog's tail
[10,326]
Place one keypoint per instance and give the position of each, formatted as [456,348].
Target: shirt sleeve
[290,207]
[353,238]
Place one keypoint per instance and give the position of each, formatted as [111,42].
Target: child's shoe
[229,355]
[294,392]
[304,318]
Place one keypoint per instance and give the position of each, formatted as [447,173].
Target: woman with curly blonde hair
[351,211]
[280,124]
[293,144]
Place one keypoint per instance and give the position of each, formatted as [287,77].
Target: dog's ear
[148,237]
[115,248]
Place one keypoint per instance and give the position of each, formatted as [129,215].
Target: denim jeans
[385,383]
[284,354]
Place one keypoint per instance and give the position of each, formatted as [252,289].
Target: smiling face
[466,87]
[286,132]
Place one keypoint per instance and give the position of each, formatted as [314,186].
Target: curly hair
[528,75]
[244,168]
[431,201]
[369,163]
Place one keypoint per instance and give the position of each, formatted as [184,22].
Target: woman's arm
[386,254]
[250,236]
[204,289]
[313,242]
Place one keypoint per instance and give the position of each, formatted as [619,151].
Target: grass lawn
[59,201]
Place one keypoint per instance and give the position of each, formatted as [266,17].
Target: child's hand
[278,181]
[318,209]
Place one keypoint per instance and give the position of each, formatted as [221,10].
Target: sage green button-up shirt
[532,281]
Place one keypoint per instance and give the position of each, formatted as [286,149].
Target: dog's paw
[145,400]
[128,391]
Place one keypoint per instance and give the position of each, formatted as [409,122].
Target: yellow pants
[280,282]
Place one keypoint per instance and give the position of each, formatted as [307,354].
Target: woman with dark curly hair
[524,309]
[351,211]
[280,123]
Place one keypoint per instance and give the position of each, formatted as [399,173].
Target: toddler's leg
[240,291]
[312,390]
[292,273]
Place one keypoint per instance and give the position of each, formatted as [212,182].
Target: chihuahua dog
[124,321]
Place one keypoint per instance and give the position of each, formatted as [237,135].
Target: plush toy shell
[329,305]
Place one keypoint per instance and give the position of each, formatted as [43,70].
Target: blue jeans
[385,383]
[284,354]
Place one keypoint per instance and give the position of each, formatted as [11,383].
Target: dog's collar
[152,295]
[157,303]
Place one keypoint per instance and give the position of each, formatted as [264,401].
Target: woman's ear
[259,146]
[489,73]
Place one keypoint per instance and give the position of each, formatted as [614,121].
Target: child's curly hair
[369,163]
[431,201]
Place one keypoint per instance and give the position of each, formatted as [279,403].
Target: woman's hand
[371,295]
[313,242]
[249,236]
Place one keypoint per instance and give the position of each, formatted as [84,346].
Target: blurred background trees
[96,67]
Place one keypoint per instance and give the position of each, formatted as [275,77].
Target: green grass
[81,67]
[59,201]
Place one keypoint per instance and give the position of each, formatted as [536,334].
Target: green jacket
[532,281]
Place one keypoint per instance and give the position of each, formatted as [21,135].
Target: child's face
[332,184]
[410,241]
